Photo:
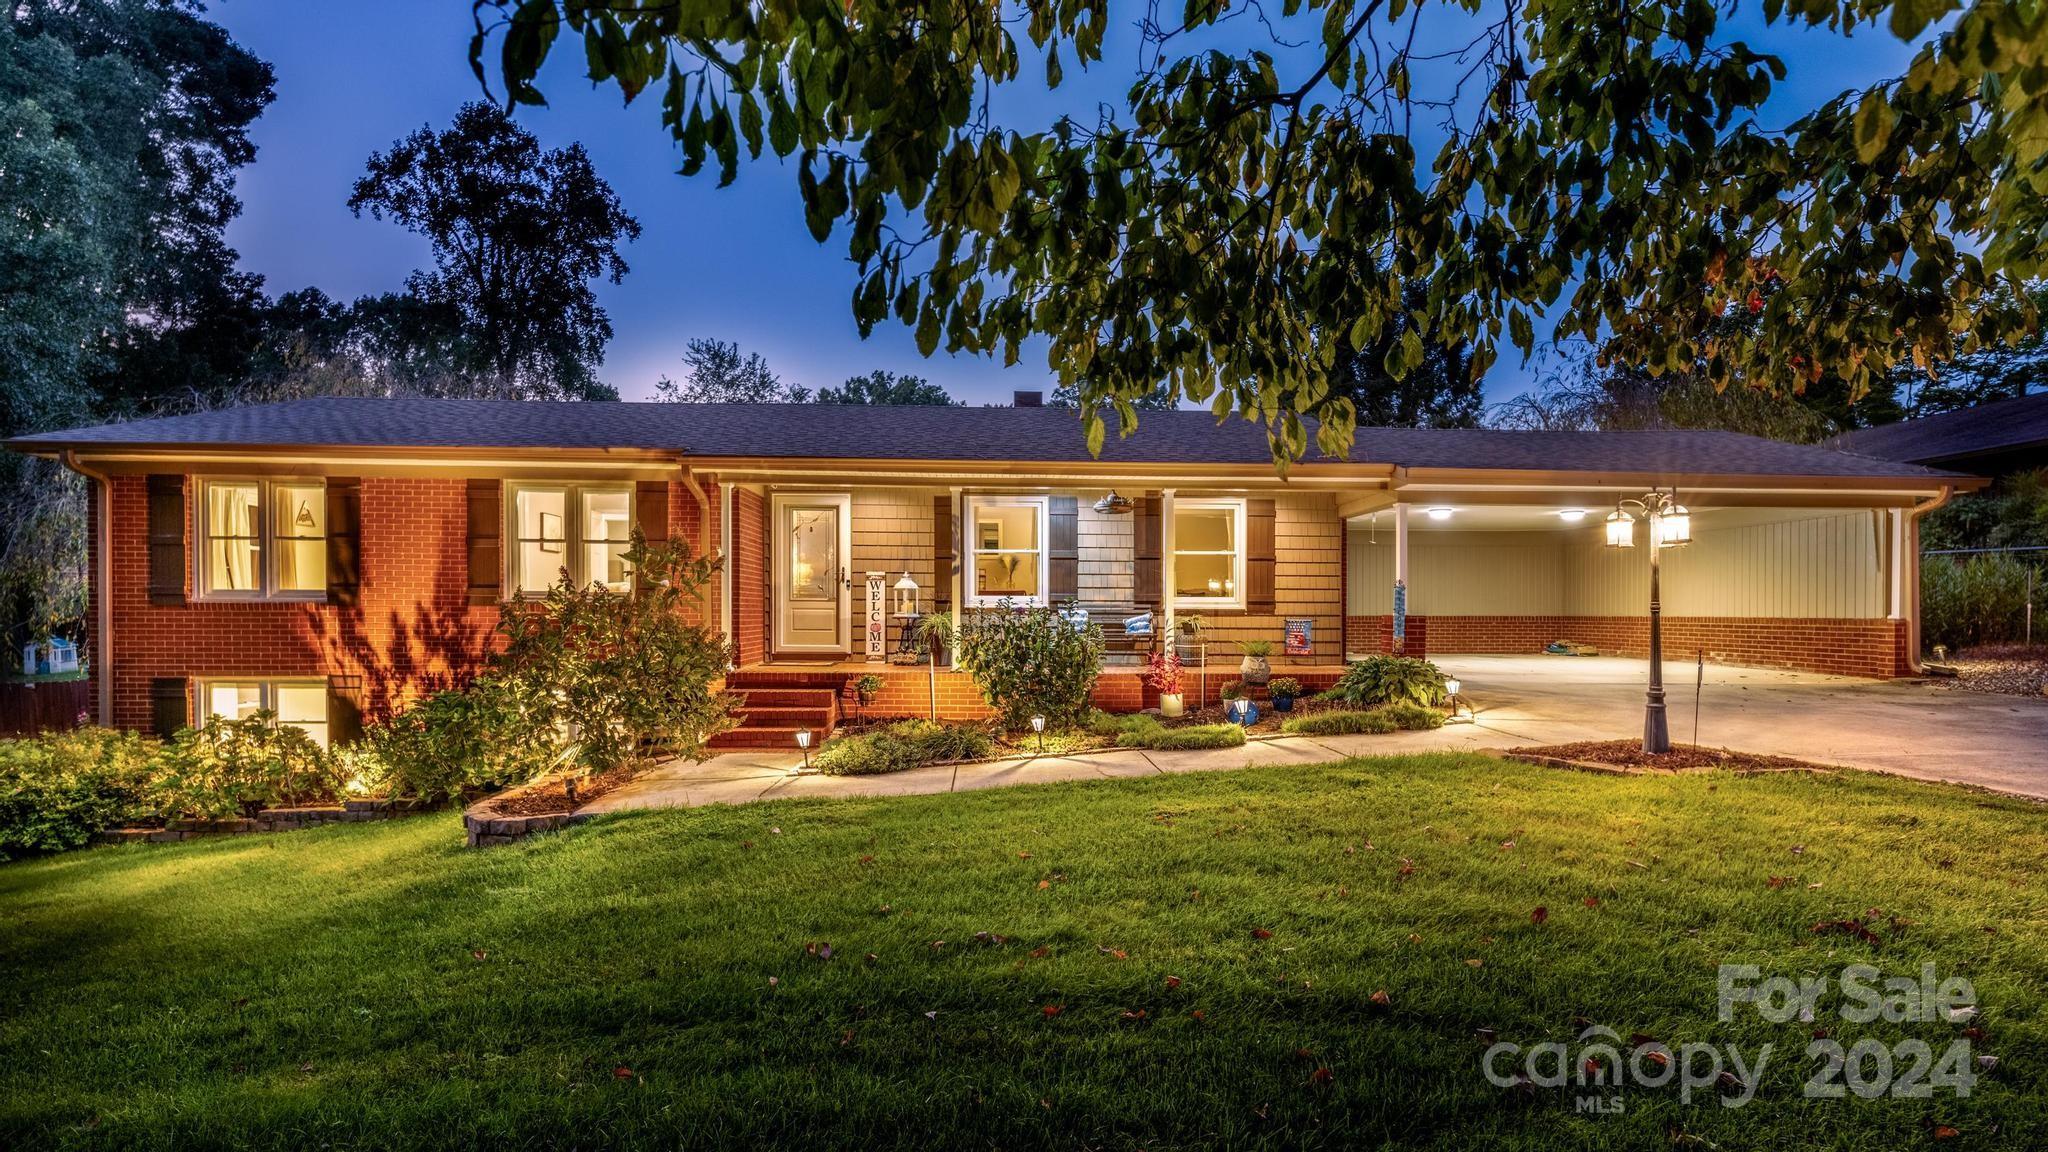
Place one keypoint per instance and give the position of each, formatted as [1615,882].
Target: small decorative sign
[1400,610]
[878,616]
[1300,637]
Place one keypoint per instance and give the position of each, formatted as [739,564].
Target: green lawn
[644,981]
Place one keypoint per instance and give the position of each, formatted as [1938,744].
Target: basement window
[300,704]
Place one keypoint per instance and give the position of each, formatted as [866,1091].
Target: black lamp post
[1670,527]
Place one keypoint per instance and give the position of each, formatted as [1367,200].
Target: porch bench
[1119,649]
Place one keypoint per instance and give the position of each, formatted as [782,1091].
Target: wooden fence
[31,706]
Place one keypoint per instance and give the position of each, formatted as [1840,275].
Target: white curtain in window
[231,520]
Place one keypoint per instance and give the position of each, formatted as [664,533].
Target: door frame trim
[778,575]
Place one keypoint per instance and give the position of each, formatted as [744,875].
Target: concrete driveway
[1912,729]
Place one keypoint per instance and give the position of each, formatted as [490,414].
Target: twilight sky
[733,263]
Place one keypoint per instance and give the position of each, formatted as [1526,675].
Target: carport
[1804,580]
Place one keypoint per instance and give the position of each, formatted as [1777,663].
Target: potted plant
[865,690]
[1238,706]
[1283,690]
[1162,675]
[1255,670]
[935,634]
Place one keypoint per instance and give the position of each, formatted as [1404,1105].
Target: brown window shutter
[168,710]
[942,552]
[1146,541]
[650,516]
[344,710]
[344,540]
[1259,598]
[486,541]
[166,539]
[1063,548]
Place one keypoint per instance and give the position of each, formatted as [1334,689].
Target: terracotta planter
[1170,704]
[1255,671]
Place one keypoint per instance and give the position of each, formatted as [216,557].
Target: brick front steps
[268,820]
[779,703]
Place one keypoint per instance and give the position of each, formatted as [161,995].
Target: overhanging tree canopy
[1601,167]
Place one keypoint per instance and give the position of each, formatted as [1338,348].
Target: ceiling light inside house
[1439,514]
[1571,515]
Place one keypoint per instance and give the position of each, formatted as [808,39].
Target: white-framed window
[1006,539]
[262,539]
[299,704]
[584,529]
[1208,553]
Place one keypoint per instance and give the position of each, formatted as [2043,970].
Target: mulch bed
[551,796]
[2003,669]
[1681,758]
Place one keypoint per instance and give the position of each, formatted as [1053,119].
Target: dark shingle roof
[2000,426]
[856,432]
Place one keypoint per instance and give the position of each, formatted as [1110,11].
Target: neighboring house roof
[859,432]
[1999,428]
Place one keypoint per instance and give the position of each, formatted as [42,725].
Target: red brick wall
[413,629]
[1850,647]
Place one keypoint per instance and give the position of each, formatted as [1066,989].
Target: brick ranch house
[330,558]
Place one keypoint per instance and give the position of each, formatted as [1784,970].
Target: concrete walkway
[1911,729]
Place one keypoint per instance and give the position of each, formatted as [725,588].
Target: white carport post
[1400,605]
[1896,609]
[1168,577]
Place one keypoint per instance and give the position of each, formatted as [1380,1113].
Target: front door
[812,582]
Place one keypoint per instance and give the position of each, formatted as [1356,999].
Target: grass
[644,981]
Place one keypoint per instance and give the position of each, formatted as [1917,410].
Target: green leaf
[1873,125]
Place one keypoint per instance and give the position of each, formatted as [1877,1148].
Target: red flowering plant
[1162,673]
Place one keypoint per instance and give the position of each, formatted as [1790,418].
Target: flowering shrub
[1030,662]
[619,674]
[456,743]
[1163,673]
[58,789]
[229,766]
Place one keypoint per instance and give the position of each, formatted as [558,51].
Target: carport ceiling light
[1571,515]
[1439,513]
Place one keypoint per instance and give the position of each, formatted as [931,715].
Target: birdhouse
[906,596]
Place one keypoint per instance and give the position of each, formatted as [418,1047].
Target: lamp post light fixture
[1670,527]
[803,741]
[1452,687]
[1038,726]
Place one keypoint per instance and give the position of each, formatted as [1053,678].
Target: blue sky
[733,263]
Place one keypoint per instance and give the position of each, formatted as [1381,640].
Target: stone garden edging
[268,820]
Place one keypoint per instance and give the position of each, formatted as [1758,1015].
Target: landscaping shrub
[902,745]
[1141,730]
[1973,600]
[1378,680]
[240,766]
[56,790]
[458,742]
[1413,717]
[1375,723]
[1029,662]
[621,673]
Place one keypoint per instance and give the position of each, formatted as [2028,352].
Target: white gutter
[103,563]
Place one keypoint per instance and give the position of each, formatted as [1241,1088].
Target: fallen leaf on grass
[476,952]
[622,1073]
[774,980]
[1173,981]
[1475,962]
[1261,934]
[1381,998]
[1539,915]
[1776,881]
[931,1015]
[1044,884]
[1130,1015]
[867,859]
[1320,1077]
[1592,901]
[1052,1010]
[1944,1132]
[818,950]
[1023,855]
[1040,952]
[1199,1015]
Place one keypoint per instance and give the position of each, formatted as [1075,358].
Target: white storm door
[812,581]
